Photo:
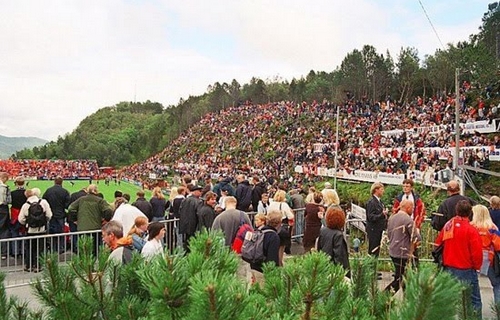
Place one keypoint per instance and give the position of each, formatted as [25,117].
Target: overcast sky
[61,60]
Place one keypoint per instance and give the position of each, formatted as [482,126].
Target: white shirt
[152,248]
[23,214]
[282,207]
[126,214]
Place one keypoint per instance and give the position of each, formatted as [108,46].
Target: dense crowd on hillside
[49,169]
[271,139]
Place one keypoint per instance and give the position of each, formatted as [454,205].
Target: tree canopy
[133,131]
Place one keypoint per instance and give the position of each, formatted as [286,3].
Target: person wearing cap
[224,184]
[188,214]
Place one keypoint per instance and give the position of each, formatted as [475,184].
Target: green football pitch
[76,185]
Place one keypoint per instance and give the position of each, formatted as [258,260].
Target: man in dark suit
[376,219]
[188,214]
[58,199]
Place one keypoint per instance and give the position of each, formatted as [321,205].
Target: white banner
[489,152]
[357,212]
[483,126]
[429,178]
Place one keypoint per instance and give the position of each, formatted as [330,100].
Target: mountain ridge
[10,145]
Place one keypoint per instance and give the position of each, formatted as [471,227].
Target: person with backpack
[270,246]
[35,214]
[230,220]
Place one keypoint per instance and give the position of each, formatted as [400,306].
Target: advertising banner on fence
[430,177]
[483,126]
[357,213]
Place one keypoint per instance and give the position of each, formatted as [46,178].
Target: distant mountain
[9,145]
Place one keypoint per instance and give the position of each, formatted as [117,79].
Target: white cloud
[62,60]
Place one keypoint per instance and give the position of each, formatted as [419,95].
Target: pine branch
[428,295]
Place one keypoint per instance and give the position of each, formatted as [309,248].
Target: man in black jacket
[243,193]
[258,189]
[446,210]
[72,225]
[376,219]
[142,204]
[188,214]
[18,199]
[58,199]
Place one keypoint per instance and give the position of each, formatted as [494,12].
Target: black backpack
[127,254]
[252,250]
[37,217]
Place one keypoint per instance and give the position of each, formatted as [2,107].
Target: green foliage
[12,309]
[205,284]
[133,131]
[118,135]
[90,288]
[434,294]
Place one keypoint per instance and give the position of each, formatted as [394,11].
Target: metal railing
[21,256]
[298,227]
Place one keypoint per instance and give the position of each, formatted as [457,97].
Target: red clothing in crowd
[240,237]
[489,241]
[462,244]
[419,212]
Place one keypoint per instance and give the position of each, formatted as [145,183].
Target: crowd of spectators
[271,139]
[49,169]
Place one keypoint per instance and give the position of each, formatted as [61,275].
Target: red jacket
[465,249]
[240,237]
[418,208]
[490,242]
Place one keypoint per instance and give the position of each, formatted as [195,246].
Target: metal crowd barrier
[21,256]
[298,227]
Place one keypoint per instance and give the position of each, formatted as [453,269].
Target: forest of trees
[130,132]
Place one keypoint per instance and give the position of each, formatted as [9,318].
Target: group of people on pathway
[467,235]
[468,232]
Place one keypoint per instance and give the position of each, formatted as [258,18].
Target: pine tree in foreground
[204,285]
[90,288]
